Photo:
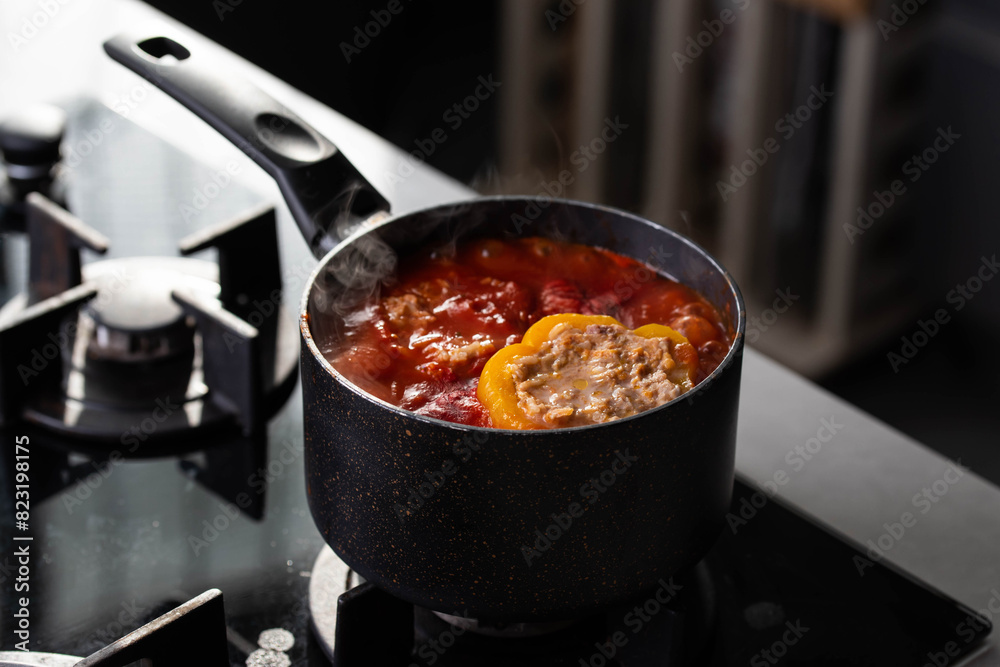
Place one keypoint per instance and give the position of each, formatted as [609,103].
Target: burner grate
[166,349]
[361,624]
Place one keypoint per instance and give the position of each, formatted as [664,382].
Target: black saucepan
[494,524]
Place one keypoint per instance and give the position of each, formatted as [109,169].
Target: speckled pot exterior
[519,525]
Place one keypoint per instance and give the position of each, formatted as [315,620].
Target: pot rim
[735,349]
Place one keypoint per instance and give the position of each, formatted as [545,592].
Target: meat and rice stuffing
[599,374]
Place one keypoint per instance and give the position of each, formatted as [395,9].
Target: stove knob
[29,151]
[30,139]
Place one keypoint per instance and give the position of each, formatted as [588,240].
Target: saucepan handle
[321,187]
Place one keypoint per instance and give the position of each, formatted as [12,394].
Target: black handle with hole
[321,187]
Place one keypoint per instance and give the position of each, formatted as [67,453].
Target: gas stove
[140,519]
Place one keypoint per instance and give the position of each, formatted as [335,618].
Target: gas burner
[141,351]
[134,318]
[356,623]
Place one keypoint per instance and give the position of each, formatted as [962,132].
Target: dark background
[399,85]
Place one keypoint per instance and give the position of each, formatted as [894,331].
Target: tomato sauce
[423,343]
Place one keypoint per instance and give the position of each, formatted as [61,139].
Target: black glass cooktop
[116,547]
[118,541]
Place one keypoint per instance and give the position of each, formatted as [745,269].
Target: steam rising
[354,275]
[352,281]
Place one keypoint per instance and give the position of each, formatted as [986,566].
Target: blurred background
[757,127]
[838,156]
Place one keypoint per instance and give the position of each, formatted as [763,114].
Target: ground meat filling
[604,373]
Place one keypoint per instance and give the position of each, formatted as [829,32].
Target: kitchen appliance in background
[710,151]
[823,220]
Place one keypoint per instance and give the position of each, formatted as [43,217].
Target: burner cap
[135,318]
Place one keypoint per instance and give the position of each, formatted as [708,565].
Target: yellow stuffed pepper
[574,370]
